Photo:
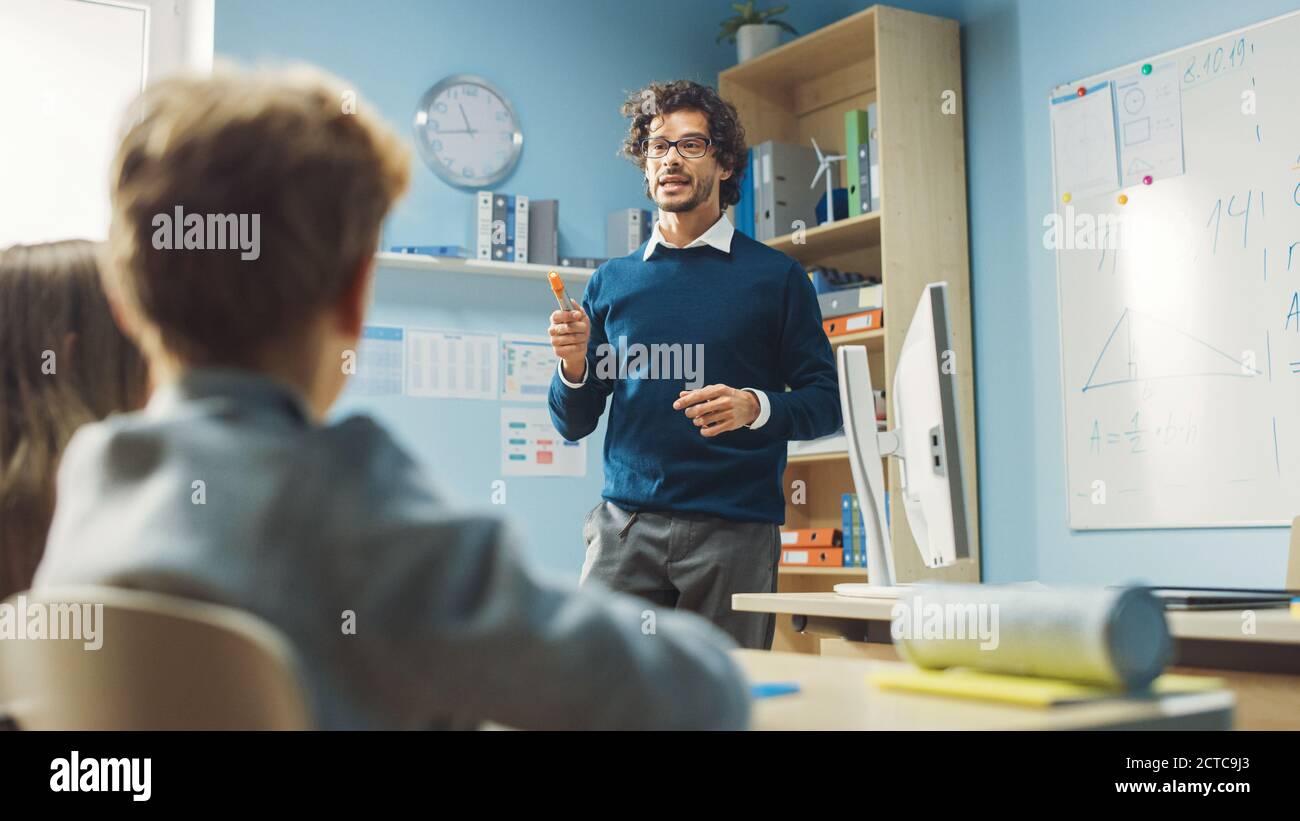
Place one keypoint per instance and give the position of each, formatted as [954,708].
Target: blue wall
[566,65]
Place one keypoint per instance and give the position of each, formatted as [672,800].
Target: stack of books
[775,197]
[502,227]
[812,547]
[862,167]
[855,529]
[513,228]
[778,198]
[626,230]
[850,310]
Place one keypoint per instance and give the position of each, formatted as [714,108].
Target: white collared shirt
[718,236]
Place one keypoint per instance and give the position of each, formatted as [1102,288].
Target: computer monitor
[926,439]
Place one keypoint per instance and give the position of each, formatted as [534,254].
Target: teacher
[696,336]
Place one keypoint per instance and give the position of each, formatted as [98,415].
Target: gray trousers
[686,561]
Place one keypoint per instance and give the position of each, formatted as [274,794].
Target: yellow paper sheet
[1025,690]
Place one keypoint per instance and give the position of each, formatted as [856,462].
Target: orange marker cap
[557,288]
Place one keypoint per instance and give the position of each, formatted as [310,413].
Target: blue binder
[745,207]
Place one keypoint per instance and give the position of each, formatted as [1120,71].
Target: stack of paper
[1026,690]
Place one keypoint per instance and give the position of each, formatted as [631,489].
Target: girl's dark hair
[63,362]
[658,99]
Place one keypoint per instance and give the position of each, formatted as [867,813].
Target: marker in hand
[557,288]
[569,332]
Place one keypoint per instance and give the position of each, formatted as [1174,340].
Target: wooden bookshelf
[873,340]
[810,458]
[841,574]
[903,62]
[839,237]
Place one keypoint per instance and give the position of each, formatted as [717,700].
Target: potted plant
[754,31]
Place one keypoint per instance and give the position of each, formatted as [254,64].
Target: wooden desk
[1262,668]
[835,696]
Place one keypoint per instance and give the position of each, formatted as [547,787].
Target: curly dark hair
[657,99]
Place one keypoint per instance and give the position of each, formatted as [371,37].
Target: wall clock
[467,133]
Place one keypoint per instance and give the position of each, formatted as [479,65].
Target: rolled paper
[1115,637]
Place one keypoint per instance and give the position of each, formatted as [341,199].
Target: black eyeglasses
[692,148]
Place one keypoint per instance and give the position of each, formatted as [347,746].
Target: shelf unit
[481,267]
[841,236]
[841,574]
[904,62]
[817,457]
[874,340]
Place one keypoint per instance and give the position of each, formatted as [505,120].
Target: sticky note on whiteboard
[1149,110]
[1083,141]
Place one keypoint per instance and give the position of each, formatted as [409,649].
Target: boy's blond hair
[293,147]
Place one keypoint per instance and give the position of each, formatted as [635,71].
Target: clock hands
[461,149]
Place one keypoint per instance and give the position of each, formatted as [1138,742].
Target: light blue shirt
[223,490]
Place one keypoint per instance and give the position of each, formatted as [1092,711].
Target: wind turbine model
[823,167]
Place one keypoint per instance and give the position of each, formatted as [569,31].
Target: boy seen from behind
[246,209]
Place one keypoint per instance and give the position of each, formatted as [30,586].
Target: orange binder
[812,537]
[853,323]
[812,557]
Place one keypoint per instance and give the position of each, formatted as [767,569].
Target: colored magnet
[1146,180]
[1066,197]
[1146,68]
[1082,91]
[1122,199]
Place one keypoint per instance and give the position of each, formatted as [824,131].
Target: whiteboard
[1180,323]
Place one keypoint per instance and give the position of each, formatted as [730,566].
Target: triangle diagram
[1141,347]
[1138,165]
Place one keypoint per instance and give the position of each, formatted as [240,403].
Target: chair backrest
[163,663]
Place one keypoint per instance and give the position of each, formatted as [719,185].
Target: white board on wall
[1180,327]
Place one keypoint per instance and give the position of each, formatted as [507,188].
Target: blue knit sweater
[752,317]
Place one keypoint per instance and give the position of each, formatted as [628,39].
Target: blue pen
[774,688]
